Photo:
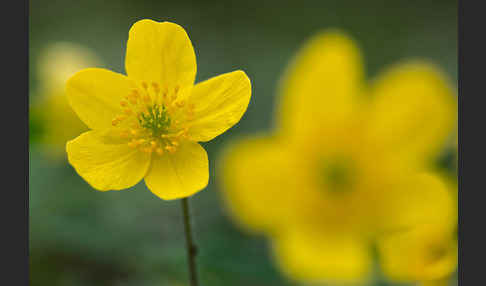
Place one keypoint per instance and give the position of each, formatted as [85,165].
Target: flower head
[57,62]
[346,162]
[147,124]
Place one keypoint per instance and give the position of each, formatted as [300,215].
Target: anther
[124,134]
[144,84]
[159,151]
[170,149]
[132,144]
[156,87]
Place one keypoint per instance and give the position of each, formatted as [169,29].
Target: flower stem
[191,247]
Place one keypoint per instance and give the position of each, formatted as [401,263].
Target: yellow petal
[95,96]
[260,183]
[421,254]
[160,52]
[413,112]
[219,103]
[179,175]
[421,200]
[59,121]
[322,85]
[106,163]
[322,257]
[438,282]
[425,248]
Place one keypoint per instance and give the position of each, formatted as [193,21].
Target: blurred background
[79,236]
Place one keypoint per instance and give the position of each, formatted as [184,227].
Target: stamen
[156,87]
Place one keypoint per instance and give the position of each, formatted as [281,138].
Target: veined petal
[160,52]
[106,163]
[413,112]
[95,95]
[219,103]
[179,175]
[322,256]
[261,184]
[322,85]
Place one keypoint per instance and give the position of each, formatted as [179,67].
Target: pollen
[154,118]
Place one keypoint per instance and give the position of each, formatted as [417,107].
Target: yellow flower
[59,123]
[147,125]
[345,162]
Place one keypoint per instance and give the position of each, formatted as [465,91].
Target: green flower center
[156,120]
[338,175]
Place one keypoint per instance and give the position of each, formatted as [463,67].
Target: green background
[79,236]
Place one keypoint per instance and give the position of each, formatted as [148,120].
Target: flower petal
[420,243]
[419,200]
[322,85]
[260,183]
[322,257]
[160,52]
[219,103]
[413,112]
[106,163]
[179,175]
[422,254]
[95,96]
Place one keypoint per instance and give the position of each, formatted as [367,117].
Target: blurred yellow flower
[56,64]
[146,125]
[346,162]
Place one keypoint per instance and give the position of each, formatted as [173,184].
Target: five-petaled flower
[348,162]
[147,124]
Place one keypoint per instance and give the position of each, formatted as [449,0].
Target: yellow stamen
[124,134]
[147,98]
[156,87]
[132,144]
[170,149]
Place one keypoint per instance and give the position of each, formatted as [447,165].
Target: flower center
[154,119]
[337,175]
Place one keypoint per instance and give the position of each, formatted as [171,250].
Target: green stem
[191,247]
